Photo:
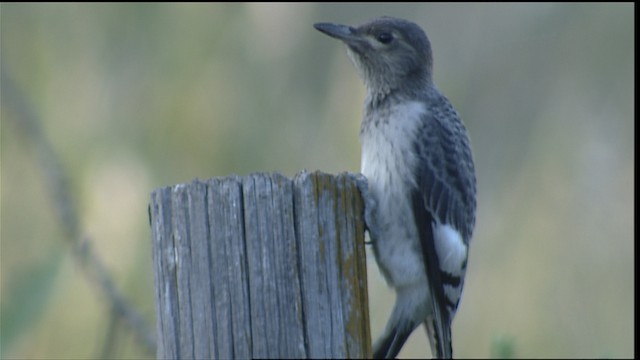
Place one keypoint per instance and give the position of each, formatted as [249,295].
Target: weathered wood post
[261,266]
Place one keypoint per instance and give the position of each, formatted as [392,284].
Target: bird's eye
[385,37]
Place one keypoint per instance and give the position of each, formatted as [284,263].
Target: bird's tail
[439,334]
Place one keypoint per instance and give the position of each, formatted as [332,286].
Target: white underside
[387,163]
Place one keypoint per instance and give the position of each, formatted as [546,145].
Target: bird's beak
[342,32]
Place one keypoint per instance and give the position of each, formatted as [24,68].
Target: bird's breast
[387,137]
[388,163]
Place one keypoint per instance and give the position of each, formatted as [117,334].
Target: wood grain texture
[261,266]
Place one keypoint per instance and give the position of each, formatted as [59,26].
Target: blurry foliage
[503,347]
[137,96]
[25,298]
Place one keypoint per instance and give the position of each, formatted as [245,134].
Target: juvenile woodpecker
[416,156]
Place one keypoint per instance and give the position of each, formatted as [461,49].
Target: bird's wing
[443,204]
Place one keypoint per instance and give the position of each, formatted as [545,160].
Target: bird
[420,205]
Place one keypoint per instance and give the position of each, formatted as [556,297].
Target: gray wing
[446,176]
[444,195]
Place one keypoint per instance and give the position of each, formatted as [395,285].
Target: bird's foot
[370,206]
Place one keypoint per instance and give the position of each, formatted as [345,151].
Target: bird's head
[389,53]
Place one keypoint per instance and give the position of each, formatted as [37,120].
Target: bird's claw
[370,206]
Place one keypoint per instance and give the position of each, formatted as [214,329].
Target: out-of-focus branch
[57,183]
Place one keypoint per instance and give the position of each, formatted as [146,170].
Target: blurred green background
[139,96]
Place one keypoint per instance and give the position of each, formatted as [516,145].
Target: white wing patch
[451,250]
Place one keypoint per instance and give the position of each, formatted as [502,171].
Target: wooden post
[261,266]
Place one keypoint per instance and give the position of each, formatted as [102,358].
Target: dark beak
[342,32]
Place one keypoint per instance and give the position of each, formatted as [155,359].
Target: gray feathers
[447,178]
